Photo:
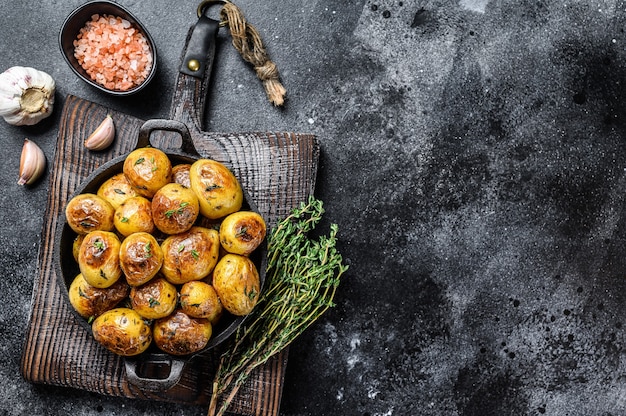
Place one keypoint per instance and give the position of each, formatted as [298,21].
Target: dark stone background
[473,156]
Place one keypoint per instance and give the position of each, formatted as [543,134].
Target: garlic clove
[32,163]
[102,136]
[8,106]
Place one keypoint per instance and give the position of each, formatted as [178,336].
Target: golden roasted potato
[91,301]
[147,169]
[242,232]
[141,258]
[174,208]
[237,283]
[122,331]
[155,299]
[191,255]
[76,245]
[199,299]
[116,190]
[180,174]
[134,215]
[216,187]
[88,212]
[180,334]
[99,258]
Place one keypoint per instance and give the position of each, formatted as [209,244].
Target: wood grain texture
[277,169]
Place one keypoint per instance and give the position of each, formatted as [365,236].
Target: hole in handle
[166,134]
[155,372]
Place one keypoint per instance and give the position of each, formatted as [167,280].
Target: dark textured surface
[473,155]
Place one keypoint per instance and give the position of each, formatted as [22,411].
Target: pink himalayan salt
[114,53]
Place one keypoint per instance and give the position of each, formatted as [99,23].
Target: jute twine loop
[247,41]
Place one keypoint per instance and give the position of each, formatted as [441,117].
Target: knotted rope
[248,42]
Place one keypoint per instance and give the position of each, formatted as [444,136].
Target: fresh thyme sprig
[301,281]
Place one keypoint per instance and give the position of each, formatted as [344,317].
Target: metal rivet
[193,64]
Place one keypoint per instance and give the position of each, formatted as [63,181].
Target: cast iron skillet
[146,370]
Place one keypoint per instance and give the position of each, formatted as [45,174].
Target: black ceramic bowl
[77,20]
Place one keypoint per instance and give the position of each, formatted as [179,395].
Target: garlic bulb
[32,163]
[102,136]
[26,95]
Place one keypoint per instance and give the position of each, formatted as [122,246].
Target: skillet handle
[155,372]
[175,126]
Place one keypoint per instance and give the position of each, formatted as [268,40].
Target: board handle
[192,83]
[154,372]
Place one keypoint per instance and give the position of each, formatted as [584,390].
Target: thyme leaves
[301,281]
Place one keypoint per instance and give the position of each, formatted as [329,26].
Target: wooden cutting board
[277,169]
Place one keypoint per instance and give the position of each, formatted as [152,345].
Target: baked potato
[155,299]
[180,174]
[141,258]
[199,299]
[191,255]
[99,258]
[91,302]
[180,334]
[76,245]
[116,190]
[134,215]
[242,232]
[237,283]
[174,208]
[88,212]
[147,169]
[122,331]
[218,190]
